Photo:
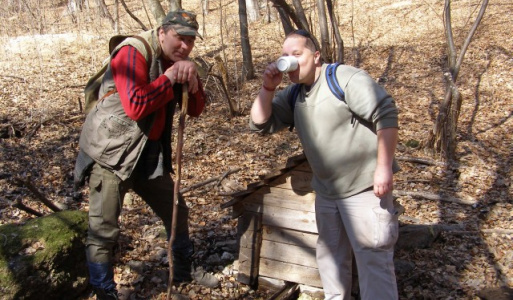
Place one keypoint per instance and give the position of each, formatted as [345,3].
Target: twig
[36,193]
[18,204]
[483,231]
[497,230]
[80,105]
[424,161]
[213,179]
[15,77]
[143,27]
[34,130]
[73,118]
[434,197]
[75,86]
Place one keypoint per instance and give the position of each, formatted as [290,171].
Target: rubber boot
[101,277]
[183,268]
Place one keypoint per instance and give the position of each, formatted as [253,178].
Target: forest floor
[400,44]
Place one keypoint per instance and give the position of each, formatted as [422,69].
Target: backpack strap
[147,46]
[331,77]
[118,41]
[294,92]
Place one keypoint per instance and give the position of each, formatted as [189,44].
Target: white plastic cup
[287,64]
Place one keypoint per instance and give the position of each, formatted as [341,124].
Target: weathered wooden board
[290,272]
[273,284]
[282,198]
[305,167]
[269,283]
[277,229]
[250,220]
[288,253]
[249,259]
[284,217]
[285,236]
[297,181]
[250,230]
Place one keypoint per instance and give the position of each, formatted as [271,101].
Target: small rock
[500,293]
[136,266]
[214,259]
[227,257]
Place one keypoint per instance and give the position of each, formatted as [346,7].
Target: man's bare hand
[383,181]
[272,77]
[184,71]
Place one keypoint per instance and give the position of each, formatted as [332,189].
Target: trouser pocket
[386,228]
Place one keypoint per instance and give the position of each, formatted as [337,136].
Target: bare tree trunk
[287,10]
[336,32]
[300,12]
[147,15]
[325,36]
[248,71]
[175,5]
[252,10]
[116,14]
[104,12]
[221,19]
[285,20]
[442,139]
[270,14]
[204,11]
[204,7]
[157,10]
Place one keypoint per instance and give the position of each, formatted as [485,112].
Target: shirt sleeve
[196,101]
[370,101]
[138,97]
[282,115]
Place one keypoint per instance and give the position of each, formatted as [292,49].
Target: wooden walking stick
[179,147]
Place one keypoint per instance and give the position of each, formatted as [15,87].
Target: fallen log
[424,161]
[434,197]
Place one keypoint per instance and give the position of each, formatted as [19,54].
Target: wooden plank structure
[277,229]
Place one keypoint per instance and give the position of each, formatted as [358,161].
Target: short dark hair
[310,44]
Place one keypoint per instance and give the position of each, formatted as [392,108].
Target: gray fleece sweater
[338,138]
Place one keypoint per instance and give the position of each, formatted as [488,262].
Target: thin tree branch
[133,16]
[213,179]
[19,204]
[36,193]
[469,38]
[424,161]
[434,197]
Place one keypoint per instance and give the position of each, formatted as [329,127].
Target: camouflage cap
[184,22]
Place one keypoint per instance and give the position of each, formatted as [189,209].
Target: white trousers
[363,224]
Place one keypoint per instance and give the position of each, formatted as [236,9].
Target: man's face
[175,47]
[307,59]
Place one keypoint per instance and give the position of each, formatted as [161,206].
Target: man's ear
[317,56]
